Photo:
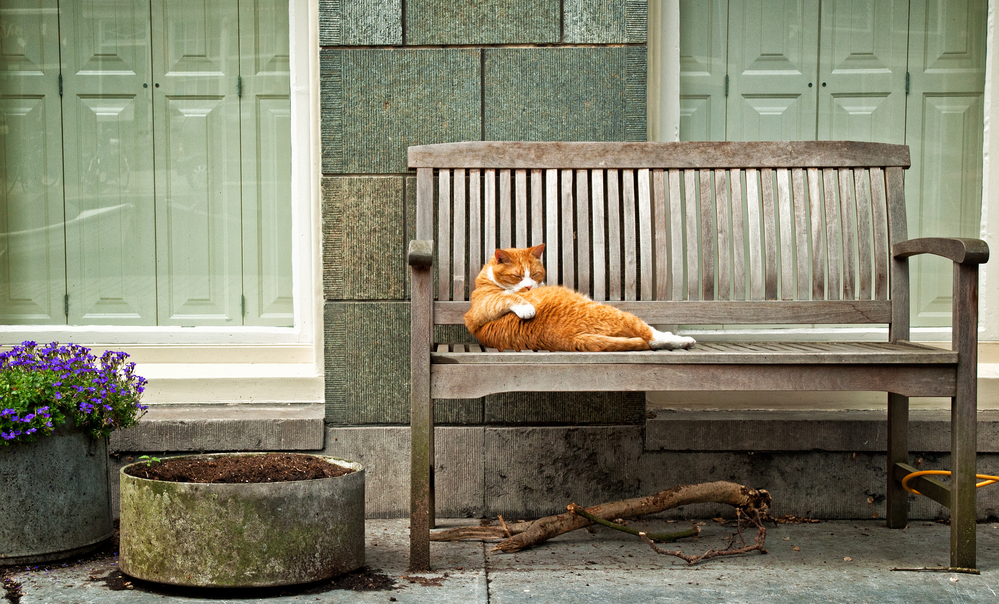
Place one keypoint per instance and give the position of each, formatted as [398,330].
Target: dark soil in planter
[270,467]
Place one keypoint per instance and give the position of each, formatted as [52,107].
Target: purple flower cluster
[43,387]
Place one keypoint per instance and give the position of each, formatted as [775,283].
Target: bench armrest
[421,253]
[961,251]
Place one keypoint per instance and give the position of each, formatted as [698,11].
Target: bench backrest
[711,233]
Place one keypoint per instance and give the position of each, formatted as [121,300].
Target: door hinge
[726,85]
[907,83]
[239,86]
[242,305]
[60,84]
[65,305]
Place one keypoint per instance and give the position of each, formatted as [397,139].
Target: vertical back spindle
[458,282]
[599,245]
[443,234]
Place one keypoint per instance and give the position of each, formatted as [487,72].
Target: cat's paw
[524,311]
[667,341]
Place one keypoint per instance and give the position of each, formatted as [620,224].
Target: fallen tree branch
[761,536]
[480,533]
[750,500]
[661,537]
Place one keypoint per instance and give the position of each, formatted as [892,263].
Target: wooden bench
[694,234]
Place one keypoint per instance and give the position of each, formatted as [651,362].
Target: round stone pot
[54,497]
[242,535]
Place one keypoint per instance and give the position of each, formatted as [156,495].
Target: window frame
[165,353]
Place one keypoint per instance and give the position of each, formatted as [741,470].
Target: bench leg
[964,418]
[963,467]
[898,452]
[421,498]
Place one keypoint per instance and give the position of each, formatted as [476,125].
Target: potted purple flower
[58,403]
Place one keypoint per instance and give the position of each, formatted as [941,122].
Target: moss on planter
[242,535]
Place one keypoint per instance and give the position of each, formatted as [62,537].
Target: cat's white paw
[664,340]
[524,311]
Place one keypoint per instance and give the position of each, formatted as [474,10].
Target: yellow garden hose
[985,478]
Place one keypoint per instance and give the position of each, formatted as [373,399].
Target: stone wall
[395,74]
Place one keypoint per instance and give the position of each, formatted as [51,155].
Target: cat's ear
[537,250]
[503,257]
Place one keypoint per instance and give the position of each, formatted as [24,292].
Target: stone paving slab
[831,561]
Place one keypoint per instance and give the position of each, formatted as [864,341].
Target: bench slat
[537,208]
[769,234]
[489,214]
[738,237]
[505,210]
[718,312]
[471,381]
[568,234]
[599,229]
[458,279]
[691,222]
[475,252]
[645,233]
[676,235]
[755,260]
[879,211]
[630,253]
[834,247]
[708,236]
[521,218]
[660,218]
[787,282]
[444,235]
[848,214]
[615,270]
[724,237]
[864,259]
[818,235]
[583,231]
[552,245]
[767,353]
[707,155]
[800,203]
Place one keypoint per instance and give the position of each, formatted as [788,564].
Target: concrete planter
[242,535]
[54,497]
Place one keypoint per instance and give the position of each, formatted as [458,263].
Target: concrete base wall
[819,465]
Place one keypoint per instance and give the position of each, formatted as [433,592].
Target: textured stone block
[376,103]
[565,94]
[805,430]
[384,453]
[482,22]
[533,472]
[367,362]
[367,368]
[565,408]
[360,22]
[603,22]
[363,239]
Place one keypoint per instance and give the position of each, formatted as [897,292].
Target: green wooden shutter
[32,253]
[265,126]
[108,138]
[943,189]
[771,62]
[198,180]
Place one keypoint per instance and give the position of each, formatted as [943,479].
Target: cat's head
[517,269]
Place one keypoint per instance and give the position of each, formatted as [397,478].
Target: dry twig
[761,536]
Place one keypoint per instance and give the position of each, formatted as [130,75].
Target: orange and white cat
[513,309]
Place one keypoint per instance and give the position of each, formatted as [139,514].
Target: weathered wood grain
[695,155]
